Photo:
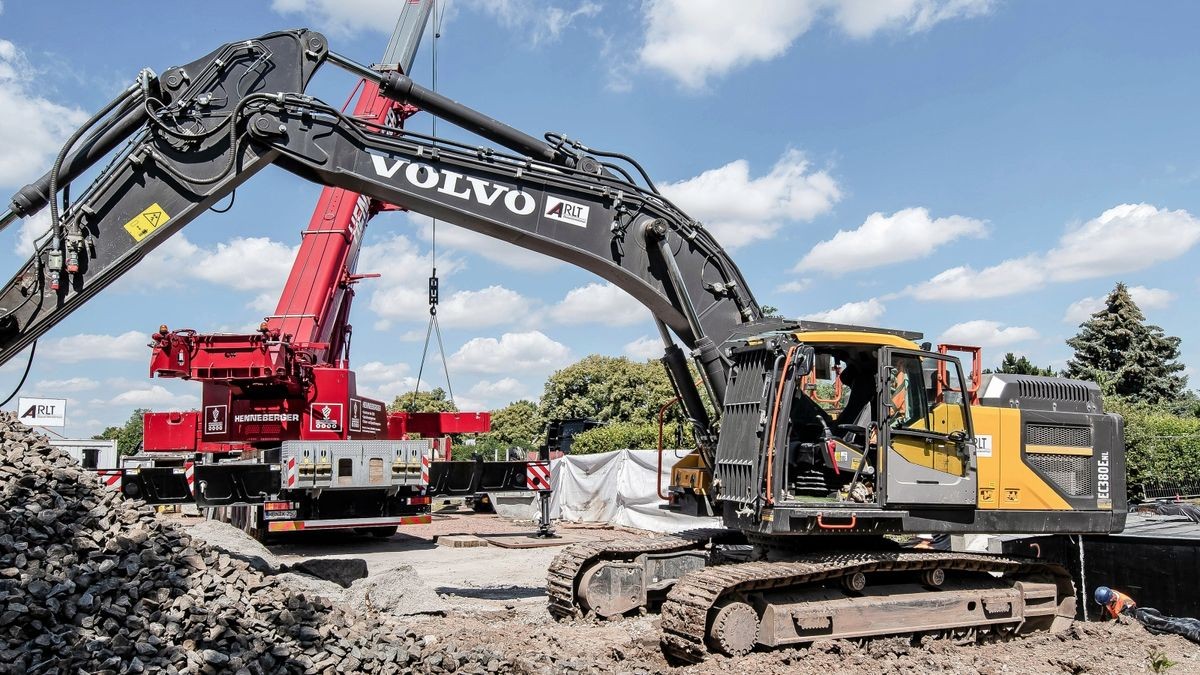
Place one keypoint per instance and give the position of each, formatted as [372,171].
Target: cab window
[925,393]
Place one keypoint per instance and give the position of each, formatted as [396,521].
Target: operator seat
[853,423]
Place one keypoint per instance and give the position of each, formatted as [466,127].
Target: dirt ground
[496,596]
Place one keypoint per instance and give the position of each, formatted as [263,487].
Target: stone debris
[341,571]
[93,583]
[398,591]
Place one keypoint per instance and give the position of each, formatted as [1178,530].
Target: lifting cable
[434,328]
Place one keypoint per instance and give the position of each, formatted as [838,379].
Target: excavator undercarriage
[715,594]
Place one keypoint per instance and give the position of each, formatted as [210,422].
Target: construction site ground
[494,595]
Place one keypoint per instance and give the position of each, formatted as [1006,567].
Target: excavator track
[562,577]
[688,616]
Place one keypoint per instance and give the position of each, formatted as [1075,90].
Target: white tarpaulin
[619,488]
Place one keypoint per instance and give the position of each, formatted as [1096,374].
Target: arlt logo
[325,417]
[215,417]
[36,411]
[566,212]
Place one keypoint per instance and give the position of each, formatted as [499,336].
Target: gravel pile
[92,583]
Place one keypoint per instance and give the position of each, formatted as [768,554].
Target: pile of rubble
[92,583]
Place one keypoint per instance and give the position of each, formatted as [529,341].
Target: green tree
[770,311]
[1160,446]
[1127,357]
[516,425]
[128,436]
[629,436]
[432,400]
[608,389]
[1019,365]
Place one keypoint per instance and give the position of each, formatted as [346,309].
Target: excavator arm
[199,131]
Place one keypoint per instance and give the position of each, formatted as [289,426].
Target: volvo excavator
[807,497]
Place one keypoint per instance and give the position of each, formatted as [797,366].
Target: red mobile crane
[286,394]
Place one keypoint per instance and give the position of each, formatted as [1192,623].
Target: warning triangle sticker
[153,217]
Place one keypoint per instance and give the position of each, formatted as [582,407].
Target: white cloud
[863,18]
[402,291]
[540,22]
[156,397]
[342,17]
[71,384]
[490,306]
[543,22]
[86,347]
[643,348]
[599,303]
[740,209]
[527,354]
[695,40]
[247,263]
[1146,299]
[794,286]
[966,283]
[384,381]
[452,238]
[862,313]
[987,334]
[1125,238]
[905,235]
[32,229]
[242,263]
[498,392]
[32,128]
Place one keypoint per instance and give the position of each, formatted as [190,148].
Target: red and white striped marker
[425,469]
[110,477]
[293,473]
[537,475]
[189,474]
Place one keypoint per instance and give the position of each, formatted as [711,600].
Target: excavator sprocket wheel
[734,629]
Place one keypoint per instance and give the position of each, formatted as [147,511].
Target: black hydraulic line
[34,196]
[711,369]
[28,365]
[400,87]
[676,365]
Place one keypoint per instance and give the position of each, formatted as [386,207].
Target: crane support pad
[788,598]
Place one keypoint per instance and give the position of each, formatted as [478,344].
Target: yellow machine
[905,444]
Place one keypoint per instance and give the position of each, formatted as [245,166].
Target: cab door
[926,436]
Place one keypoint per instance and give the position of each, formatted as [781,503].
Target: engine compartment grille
[1053,434]
[1071,473]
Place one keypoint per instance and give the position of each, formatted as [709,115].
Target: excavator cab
[823,419]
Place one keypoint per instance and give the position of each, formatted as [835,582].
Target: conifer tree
[1019,365]
[1127,357]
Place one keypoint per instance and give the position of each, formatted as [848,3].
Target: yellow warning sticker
[146,222]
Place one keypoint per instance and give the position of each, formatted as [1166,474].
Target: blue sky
[980,171]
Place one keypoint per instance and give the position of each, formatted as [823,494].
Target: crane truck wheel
[383,532]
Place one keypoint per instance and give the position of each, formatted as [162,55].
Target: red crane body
[291,379]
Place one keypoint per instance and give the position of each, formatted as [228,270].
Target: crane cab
[830,428]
